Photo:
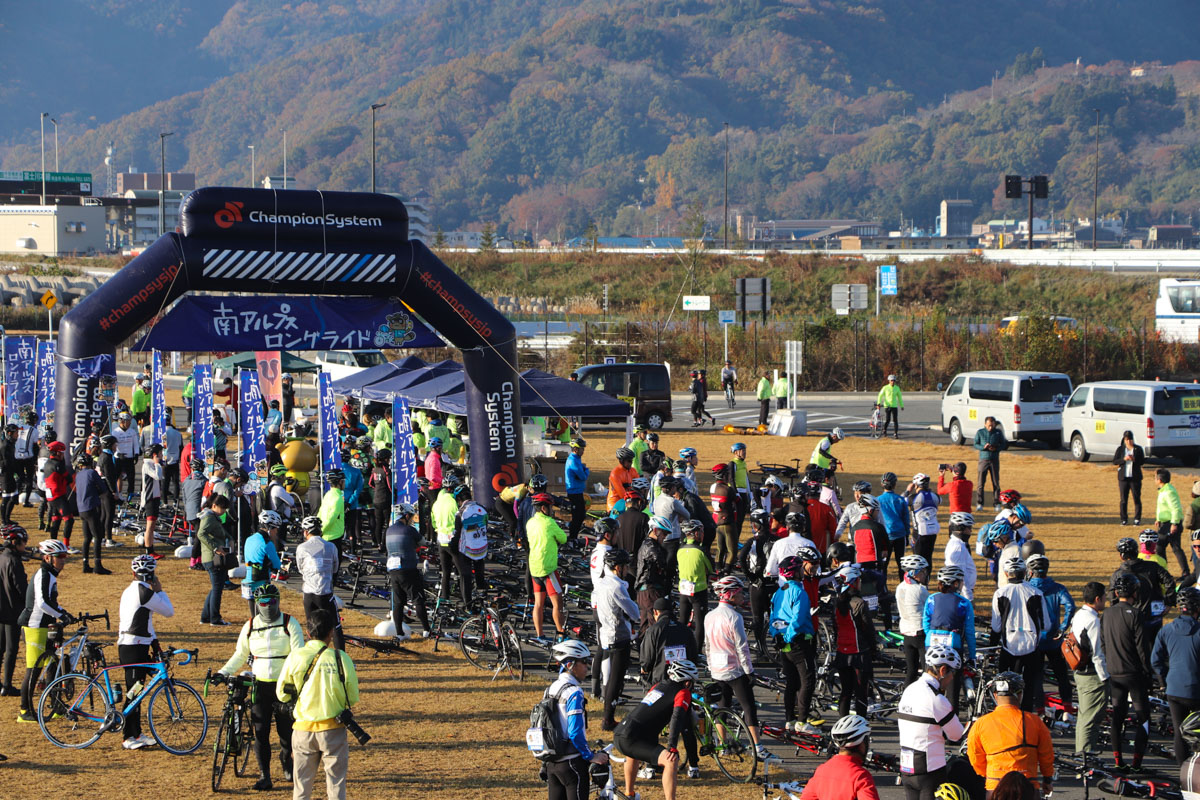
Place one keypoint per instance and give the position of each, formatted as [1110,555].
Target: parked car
[1027,405]
[647,388]
[343,363]
[1163,416]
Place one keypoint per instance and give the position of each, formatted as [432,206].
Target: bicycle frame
[159,675]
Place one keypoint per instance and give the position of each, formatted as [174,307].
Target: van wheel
[654,421]
[1078,451]
[956,434]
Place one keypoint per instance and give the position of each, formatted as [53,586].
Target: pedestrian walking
[1129,459]
[892,402]
[989,441]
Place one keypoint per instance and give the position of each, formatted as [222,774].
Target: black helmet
[796,519]
[617,557]
[862,486]
[335,475]
[888,481]
[1032,547]
[11,428]
[842,551]
[1189,600]
[1126,585]
[50,435]
[624,454]
[1127,547]
[240,474]
[108,441]
[197,464]
[605,526]
[1007,684]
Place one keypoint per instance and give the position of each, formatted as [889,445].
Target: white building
[145,219]
[52,230]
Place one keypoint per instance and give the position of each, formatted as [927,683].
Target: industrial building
[53,230]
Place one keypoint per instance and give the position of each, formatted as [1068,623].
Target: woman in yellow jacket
[1009,739]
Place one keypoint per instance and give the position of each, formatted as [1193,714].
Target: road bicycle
[235,732]
[730,399]
[1118,784]
[75,710]
[379,646]
[490,642]
[77,654]
[788,790]
[722,733]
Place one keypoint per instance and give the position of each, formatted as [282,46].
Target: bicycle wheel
[73,710]
[245,744]
[478,645]
[513,658]
[178,717]
[221,747]
[732,746]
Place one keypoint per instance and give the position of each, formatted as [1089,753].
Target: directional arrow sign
[48,299]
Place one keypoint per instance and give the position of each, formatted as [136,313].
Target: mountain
[543,115]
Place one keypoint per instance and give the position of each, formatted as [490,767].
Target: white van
[1164,418]
[344,363]
[1027,405]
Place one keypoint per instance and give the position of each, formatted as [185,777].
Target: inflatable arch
[323,243]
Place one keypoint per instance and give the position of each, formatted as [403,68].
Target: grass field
[441,729]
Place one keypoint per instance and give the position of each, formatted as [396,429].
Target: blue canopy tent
[353,384]
[542,394]
[395,385]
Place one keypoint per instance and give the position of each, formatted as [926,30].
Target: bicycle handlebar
[169,652]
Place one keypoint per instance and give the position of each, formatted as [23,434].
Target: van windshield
[1044,390]
[369,358]
[1177,401]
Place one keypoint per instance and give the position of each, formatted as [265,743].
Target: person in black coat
[13,586]
[8,472]
[1129,459]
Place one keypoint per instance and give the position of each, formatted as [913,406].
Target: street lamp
[1096,182]
[43,124]
[374,108]
[251,165]
[162,182]
[726,226]
[55,123]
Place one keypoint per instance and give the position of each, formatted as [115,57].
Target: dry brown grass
[441,729]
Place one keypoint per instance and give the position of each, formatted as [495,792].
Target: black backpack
[543,738]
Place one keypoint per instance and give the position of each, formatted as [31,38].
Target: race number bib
[906,761]
[675,653]
[651,697]
[943,639]
[687,588]
[872,602]
[1157,607]
[535,741]
[779,625]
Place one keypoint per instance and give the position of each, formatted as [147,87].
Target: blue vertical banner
[202,405]
[20,373]
[404,462]
[331,450]
[158,398]
[46,367]
[252,426]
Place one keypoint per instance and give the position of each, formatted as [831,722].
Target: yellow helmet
[950,791]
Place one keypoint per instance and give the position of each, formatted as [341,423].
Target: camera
[943,467]
[347,719]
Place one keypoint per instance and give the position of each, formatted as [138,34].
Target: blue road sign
[888,283]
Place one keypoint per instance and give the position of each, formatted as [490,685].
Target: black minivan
[647,388]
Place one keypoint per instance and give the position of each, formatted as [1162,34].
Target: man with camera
[322,681]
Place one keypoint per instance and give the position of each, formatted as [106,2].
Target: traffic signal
[1012,186]
[1041,187]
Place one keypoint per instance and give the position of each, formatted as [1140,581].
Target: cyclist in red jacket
[844,777]
[959,488]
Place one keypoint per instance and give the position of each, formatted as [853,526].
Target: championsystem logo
[503,429]
[481,327]
[148,291]
[232,213]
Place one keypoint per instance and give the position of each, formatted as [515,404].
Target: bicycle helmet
[617,557]
[632,497]
[1126,585]
[143,566]
[1038,564]
[1007,683]
[850,730]
[1189,600]
[661,523]
[52,547]
[1014,565]
[687,452]
[837,433]
[913,564]
[940,654]
[680,671]
[269,519]
[809,555]
[577,443]
[277,471]
[692,528]
[862,486]
[848,574]
[868,503]
[667,485]
[950,791]
[12,428]
[1148,536]
[719,470]
[450,481]
[962,519]
[839,551]
[605,526]
[311,523]
[737,446]
[434,443]
[796,519]
[758,518]
[538,483]
[639,428]
[920,479]
[14,533]
[268,591]
[652,437]
[1023,514]
[109,442]
[624,454]
[1196,536]
[1189,729]
[731,584]
[571,650]
[950,574]
[1127,547]
[405,509]
[543,499]
[640,484]
[789,568]
[1010,497]
[83,461]
[814,474]
[365,443]
[888,480]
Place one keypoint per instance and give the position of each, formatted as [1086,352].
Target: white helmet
[269,519]
[1013,565]
[867,502]
[941,654]
[836,433]
[52,547]
[914,563]
[962,518]
[728,585]
[950,573]
[850,730]
[405,508]
[143,566]
[682,670]
[571,650]
[920,477]
[849,573]
[771,480]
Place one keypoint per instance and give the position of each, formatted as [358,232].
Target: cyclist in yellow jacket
[892,401]
[763,393]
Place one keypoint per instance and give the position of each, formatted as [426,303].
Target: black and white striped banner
[272,265]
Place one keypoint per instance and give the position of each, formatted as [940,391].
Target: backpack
[542,738]
[1073,653]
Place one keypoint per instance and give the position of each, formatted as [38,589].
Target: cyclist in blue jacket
[261,555]
[897,515]
[576,475]
[792,629]
[949,620]
[1062,608]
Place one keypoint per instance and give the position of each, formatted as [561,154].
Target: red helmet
[542,497]
[720,469]
[1009,496]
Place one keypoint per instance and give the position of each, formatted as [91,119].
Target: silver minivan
[1027,405]
[1164,418]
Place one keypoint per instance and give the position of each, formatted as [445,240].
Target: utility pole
[1096,182]
[43,122]
[285,183]
[374,107]
[162,185]
[726,227]
[252,175]
[54,122]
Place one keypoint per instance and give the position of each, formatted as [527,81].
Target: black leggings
[1124,691]
[380,515]
[408,584]
[892,415]
[1062,675]
[741,688]
[727,543]
[134,654]
[1180,708]
[265,709]
[760,606]
[618,662]
[914,657]
[799,668]
[854,671]
[578,513]
[568,780]
[10,635]
[692,610]
[923,546]
[895,552]
[93,534]
[505,509]
[1028,667]
[922,787]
